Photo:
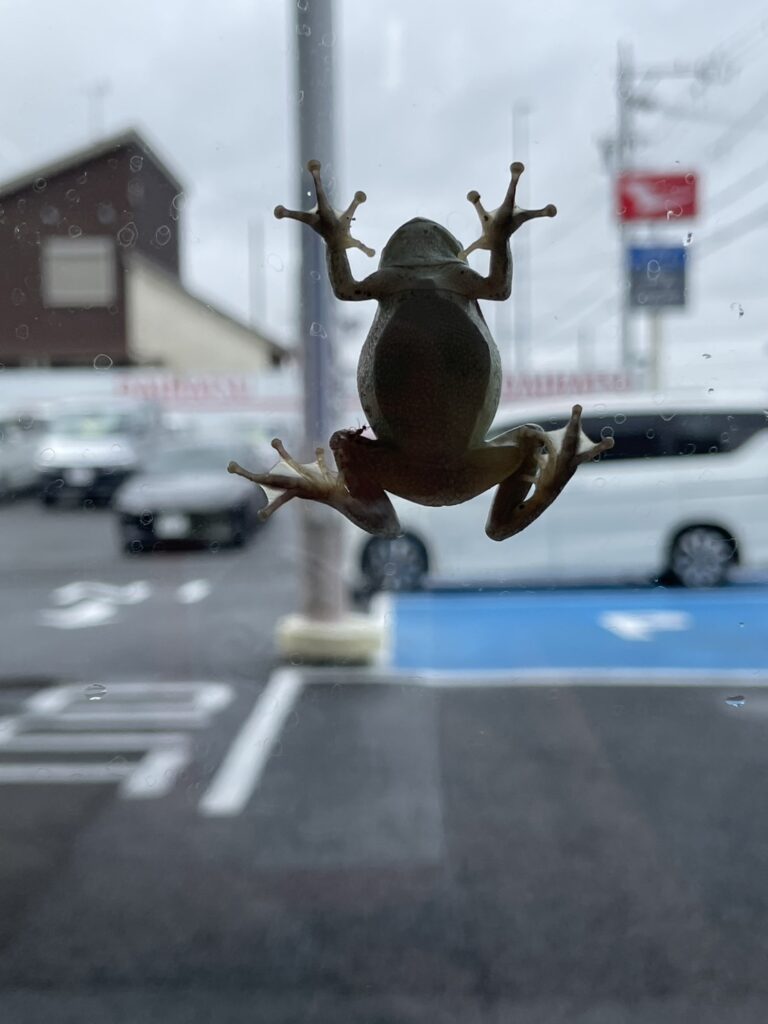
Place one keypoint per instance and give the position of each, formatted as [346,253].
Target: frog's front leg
[551,460]
[498,226]
[350,491]
[334,227]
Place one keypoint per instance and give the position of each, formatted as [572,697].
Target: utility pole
[96,93]
[629,100]
[622,158]
[324,631]
[521,304]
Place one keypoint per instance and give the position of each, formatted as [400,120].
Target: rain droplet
[47,454]
[127,235]
[75,231]
[274,262]
[317,330]
[95,691]
[667,416]
[315,275]
[301,96]
[620,418]
[22,332]
[737,307]
[136,163]
[688,238]
[737,701]
[116,448]
[600,481]
[163,235]
[710,391]
[117,763]
[302,4]
[102,361]
[303,30]
[706,355]
[741,625]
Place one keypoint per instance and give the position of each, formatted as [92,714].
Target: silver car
[184,494]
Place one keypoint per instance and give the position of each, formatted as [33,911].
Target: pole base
[352,639]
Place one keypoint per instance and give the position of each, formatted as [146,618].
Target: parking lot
[519,815]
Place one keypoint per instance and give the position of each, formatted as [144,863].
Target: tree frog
[429,380]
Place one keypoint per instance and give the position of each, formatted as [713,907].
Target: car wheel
[397,564]
[701,557]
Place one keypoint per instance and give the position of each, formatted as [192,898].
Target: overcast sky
[425,92]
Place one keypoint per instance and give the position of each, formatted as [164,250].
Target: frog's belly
[430,375]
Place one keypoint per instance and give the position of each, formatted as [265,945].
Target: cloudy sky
[425,94]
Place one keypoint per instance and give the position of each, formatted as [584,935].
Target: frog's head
[419,243]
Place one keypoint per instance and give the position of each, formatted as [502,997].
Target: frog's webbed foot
[332,225]
[314,481]
[500,224]
[560,454]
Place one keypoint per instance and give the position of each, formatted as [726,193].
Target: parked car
[683,496]
[92,446]
[20,434]
[185,494]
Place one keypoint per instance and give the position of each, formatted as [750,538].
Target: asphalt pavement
[192,832]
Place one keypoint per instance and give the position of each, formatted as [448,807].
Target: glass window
[78,271]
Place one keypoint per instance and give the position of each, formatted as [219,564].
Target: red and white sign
[643,196]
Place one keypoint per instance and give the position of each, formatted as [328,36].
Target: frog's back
[429,375]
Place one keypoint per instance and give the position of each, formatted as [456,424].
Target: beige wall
[168,327]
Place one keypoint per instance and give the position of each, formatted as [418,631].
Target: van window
[652,435]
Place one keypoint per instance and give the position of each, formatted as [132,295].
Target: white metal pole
[257,292]
[656,354]
[323,593]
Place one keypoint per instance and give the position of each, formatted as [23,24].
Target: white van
[682,496]
[20,432]
[92,445]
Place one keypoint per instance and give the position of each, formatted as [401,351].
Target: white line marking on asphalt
[69,772]
[131,593]
[240,771]
[193,591]
[156,774]
[79,616]
[642,625]
[62,720]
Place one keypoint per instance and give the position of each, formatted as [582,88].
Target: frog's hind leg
[550,465]
[368,508]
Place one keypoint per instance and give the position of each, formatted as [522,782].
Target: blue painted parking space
[621,629]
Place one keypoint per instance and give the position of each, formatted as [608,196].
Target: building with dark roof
[89,268]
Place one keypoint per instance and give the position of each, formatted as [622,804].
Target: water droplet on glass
[302,4]
[300,97]
[600,481]
[127,235]
[102,361]
[47,454]
[737,701]
[116,448]
[22,332]
[741,625]
[315,275]
[667,416]
[688,238]
[117,763]
[95,691]
[688,177]
[303,30]
[706,355]
[738,308]
[75,231]
[163,235]
[710,390]
[274,262]
[620,418]
[317,330]
[328,39]
[137,162]
[40,184]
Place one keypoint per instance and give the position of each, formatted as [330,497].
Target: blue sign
[657,275]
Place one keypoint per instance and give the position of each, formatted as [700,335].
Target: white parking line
[193,591]
[240,771]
